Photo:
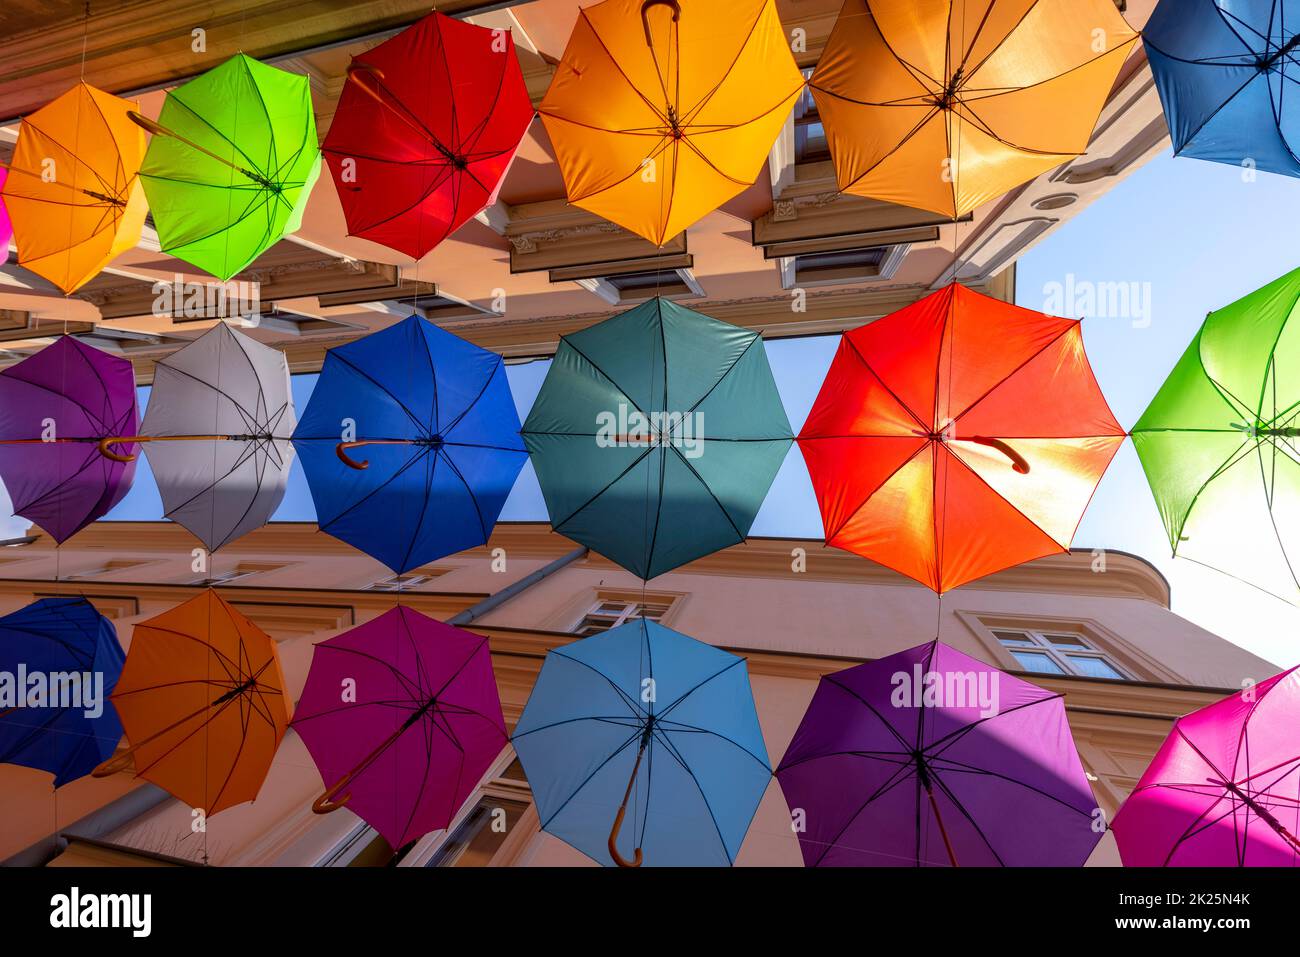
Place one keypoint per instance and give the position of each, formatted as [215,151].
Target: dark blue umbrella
[644,721]
[1226,71]
[410,443]
[49,719]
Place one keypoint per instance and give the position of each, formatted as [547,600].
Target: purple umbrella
[930,757]
[402,717]
[55,406]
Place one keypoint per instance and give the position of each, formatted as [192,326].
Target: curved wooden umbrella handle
[1018,462]
[619,859]
[115,764]
[105,448]
[327,802]
[341,451]
[645,20]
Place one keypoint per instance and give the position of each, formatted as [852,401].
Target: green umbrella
[231,164]
[656,436]
[1220,442]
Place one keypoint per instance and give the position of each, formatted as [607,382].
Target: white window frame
[631,610]
[396,583]
[1041,643]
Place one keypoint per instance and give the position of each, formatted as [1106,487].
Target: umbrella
[65,651]
[656,435]
[660,112]
[1219,442]
[1224,788]
[929,757]
[1223,69]
[73,193]
[6,228]
[402,718]
[203,703]
[644,719]
[232,161]
[217,427]
[426,128]
[958,436]
[55,406]
[436,419]
[944,105]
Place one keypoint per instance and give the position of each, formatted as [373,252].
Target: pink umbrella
[402,717]
[6,228]
[1224,789]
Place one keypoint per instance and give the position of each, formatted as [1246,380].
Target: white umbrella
[217,430]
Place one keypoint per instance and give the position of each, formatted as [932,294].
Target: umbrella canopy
[929,757]
[944,105]
[660,112]
[55,406]
[646,720]
[402,718]
[435,418]
[6,228]
[957,437]
[232,161]
[67,653]
[1223,69]
[217,427]
[203,703]
[425,131]
[1224,788]
[1219,442]
[656,435]
[73,194]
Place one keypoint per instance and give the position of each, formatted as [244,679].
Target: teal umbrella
[656,436]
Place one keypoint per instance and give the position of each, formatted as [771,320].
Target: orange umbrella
[73,192]
[202,701]
[944,105]
[661,111]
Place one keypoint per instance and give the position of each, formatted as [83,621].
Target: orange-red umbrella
[203,704]
[73,191]
[946,104]
[958,436]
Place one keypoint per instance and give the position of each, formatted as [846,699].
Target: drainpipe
[510,591]
[96,824]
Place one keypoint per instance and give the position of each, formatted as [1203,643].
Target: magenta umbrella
[1224,788]
[402,717]
[928,758]
[55,408]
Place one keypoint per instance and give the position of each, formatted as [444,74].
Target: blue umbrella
[644,719]
[59,661]
[1226,71]
[440,433]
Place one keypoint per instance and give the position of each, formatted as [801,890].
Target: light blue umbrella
[645,722]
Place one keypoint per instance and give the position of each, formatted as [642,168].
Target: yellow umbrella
[73,192]
[944,105]
[662,111]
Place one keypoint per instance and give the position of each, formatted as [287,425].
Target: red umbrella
[426,127]
[958,436]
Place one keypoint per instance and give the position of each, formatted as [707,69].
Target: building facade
[1095,626]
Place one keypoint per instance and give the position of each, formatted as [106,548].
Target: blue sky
[1186,236]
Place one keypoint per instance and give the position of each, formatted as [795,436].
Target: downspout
[495,601]
[93,826]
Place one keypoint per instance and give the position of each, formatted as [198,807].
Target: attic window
[629,287]
[810,144]
[865,264]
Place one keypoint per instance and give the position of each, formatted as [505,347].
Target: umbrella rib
[1237,455]
[960,767]
[419,426]
[690,773]
[174,97]
[482,522]
[1005,36]
[585,781]
[634,707]
[951,738]
[740,536]
[491,377]
[694,111]
[431,469]
[659,114]
[967,815]
[77,161]
[420,453]
[402,678]
[659,147]
[574,514]
[686,694]
[1072,325]
[692,729]
[900,775]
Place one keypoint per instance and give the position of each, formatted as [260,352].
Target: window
[611,612]
[477,838]
[1059,653]
[227,575]
[106,568]
[403,583]
[809,133]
